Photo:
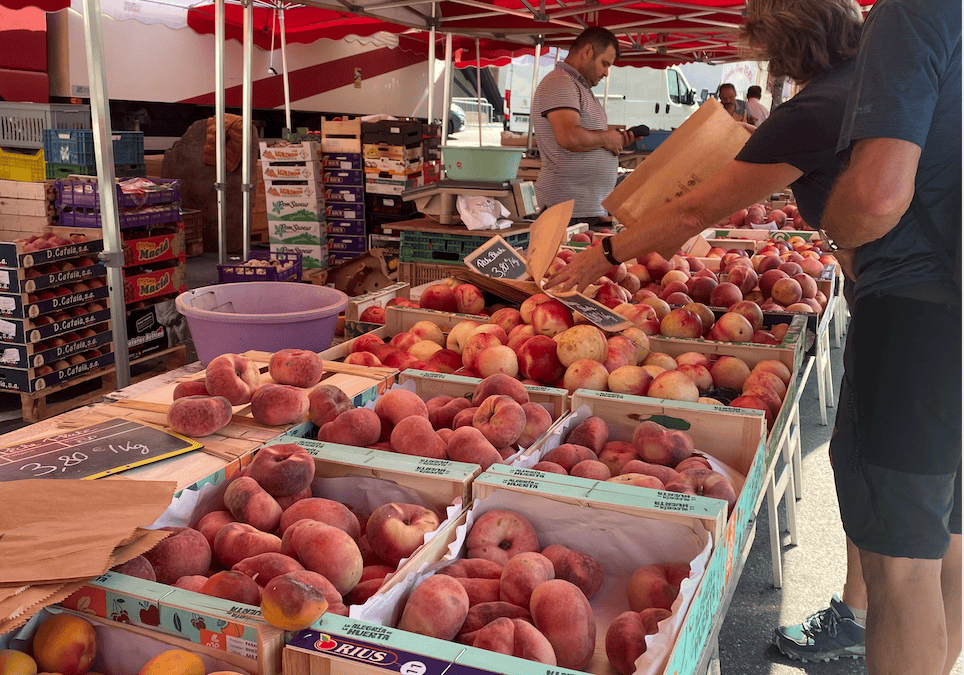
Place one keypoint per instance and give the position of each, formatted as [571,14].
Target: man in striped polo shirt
[579,153]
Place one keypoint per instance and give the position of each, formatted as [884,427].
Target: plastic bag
[483,213]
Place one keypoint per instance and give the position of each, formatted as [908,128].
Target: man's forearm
[580,139]
[872,193]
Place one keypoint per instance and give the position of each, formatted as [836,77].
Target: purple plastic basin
[262,315]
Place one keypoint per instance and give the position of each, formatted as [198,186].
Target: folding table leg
[796,444]
[775,543]
[822,359]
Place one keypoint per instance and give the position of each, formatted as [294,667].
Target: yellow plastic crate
[19,166]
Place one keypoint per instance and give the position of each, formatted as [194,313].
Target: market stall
[370,423]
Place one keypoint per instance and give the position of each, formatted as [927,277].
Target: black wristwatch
[607,248]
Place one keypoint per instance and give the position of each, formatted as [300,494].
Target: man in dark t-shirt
[897,454]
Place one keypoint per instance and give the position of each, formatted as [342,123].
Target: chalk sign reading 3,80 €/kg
[95,451]
[497,258]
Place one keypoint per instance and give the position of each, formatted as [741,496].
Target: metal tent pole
[247,187]
[532,90]
[221,179]
[478,87]
[606,94]
[431,68]
[447,88]
[284,70]
[113,253]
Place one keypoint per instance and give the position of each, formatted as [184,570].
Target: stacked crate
[152,234]
[431,152]
[54,312]
[71,152]
[394,161]
[26,208]
[21,136]
[344,188]
[295,197]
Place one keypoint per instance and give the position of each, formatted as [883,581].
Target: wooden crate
[121,645]
[579,518]
[378,298]
[733,437]
[341,135]
[416,273]
[359,383]
[434,384]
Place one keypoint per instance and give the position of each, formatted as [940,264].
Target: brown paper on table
[16,610]
[689,157]
[19,603]
[68,529]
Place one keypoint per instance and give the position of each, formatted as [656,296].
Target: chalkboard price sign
[595,312]
[96,451]
[497,258]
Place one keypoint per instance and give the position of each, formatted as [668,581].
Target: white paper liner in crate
[619,542]
[616,433]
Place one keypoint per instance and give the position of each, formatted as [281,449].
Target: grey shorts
[897,447]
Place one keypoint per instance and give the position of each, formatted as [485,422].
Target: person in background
[732,104]
[753,106]
[579,151]
[897,209]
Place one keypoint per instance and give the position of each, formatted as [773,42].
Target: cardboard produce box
[733,439]
[427,385]
[306,151]
[596,523]
[363,480]
[124,648]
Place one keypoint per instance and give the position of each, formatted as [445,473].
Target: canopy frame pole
[532,89]
[113,253]
[430,104]
[478,87]
[221,179]
[247,187]
[447,88]
[284,70]
[606,94]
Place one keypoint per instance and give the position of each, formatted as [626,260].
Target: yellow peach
[294,601]
[65,644]
[174,662]
[13,662]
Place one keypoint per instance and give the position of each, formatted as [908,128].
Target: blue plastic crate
[76,146]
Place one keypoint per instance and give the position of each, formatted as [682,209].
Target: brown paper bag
[68,529]
[689,157]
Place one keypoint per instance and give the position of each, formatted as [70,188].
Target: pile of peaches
[274,545]
[485,428]
[511,596]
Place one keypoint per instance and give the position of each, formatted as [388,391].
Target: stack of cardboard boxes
[296,201]
[394,162]
[344,189]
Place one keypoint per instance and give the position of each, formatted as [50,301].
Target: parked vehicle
[659,98]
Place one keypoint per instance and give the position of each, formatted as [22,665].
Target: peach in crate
[568,626]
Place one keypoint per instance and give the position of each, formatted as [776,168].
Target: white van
[659,98]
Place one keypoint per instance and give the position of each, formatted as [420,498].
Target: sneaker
[827,635]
